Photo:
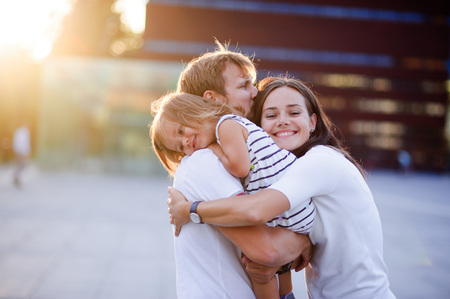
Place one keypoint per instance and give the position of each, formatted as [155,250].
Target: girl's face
[285,118]
[187,140]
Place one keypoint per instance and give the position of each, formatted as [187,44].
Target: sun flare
[31,24]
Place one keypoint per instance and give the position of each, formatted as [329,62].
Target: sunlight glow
[33,25]
[133,14]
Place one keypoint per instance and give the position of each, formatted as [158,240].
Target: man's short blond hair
[205,72]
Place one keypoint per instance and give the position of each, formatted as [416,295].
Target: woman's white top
[348,256]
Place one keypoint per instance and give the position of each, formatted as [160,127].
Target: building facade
[379,68]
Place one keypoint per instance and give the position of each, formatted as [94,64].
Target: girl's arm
[266,290]
[233,151]
[285,284]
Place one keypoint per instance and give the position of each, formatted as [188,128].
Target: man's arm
[270,246]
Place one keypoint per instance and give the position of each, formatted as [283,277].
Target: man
[208,264]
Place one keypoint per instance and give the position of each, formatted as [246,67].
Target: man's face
[238,87]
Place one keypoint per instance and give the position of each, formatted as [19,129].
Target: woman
[348,257]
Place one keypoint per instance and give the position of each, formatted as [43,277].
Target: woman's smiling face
[285,118]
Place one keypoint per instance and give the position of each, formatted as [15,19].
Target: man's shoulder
[201,165]
[200,160]
[202,154]
[201,175]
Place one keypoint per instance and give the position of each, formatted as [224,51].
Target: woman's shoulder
[324,149]
[329,157]
[324,153]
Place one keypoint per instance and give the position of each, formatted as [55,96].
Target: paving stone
[69,235]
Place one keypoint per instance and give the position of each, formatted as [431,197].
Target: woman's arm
[244,210]
[233,151]
[271,246]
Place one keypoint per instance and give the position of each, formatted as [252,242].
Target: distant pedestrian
[404,161]
[22,149]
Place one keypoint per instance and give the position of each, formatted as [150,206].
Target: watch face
[195,218]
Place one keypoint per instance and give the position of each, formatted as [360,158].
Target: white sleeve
[314,174]
[203,177]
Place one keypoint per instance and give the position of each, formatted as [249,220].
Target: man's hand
[178,209]
[259,273]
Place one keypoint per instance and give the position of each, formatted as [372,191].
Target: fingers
[245,260]
[302,264]
[177,227]
[259,275]
[176,203]
[177,230]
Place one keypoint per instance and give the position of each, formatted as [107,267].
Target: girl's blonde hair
[184,109]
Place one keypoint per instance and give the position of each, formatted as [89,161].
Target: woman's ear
[313,119]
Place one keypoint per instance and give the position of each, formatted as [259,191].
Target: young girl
[185,123]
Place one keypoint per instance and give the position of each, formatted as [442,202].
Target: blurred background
[81,75]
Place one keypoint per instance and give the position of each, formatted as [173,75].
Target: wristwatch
[285,268]
[193,213]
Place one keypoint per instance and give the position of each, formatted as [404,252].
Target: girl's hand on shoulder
[178,209]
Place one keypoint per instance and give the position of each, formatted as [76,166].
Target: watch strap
[195,217]
[193,208]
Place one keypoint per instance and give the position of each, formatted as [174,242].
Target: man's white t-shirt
[348,253]
[208,264]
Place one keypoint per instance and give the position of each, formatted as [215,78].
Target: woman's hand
[305,256]
[178,209]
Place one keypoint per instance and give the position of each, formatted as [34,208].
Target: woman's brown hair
[324,131]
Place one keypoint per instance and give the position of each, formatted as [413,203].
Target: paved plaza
[71,235]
